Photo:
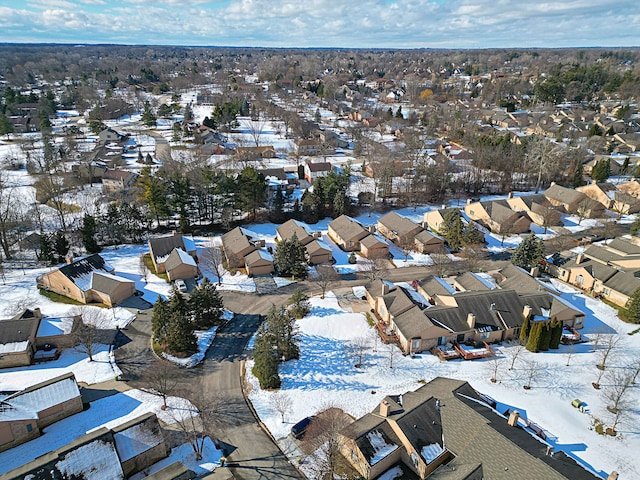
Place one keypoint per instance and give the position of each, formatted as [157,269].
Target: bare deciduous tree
[532,372]
[323,439]
[494,365]
[211,256]
[161,379]
[324,276]
[515,350]
[357,348]
[609,344]
[281,403]
[619,383]
[571,350]
[90,330]
[442,262]
[144,270]
[375,266]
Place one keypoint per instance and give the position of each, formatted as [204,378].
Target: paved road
[251,454]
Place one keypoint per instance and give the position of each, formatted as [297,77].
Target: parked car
[180,285]
[300,428]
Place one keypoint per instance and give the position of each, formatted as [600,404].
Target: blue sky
[326,23]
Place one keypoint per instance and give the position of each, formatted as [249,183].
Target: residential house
[18,341]
[161,248]
[434,219]
[139,443]
[583,272]
[25,413]
[433,287]
[237,244]
[629,140]
[318,252]
[470,281]
[310,147]
[21,344]
[407,234]
[256,153]
[600,192]
[115,454]
[372,247]
[573,201]
[115,181]
[631,188]
[537,207]
[180,265]
[498,216]
[88,280]
[259,262]
[109,135]
[446,430]
[347,233]
[314,170]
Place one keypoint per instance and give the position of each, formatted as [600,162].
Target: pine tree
[452,229]
[206,305]
[277,212]
[148,117]
[281,325]
[535,334]
[160,320]
[299,305]
[556,334]
[578,176]
[524,331]
[472,236]
[632,308]
[399,112]
[46,249]
[545,337]
[89,234]
[60,245]
[290,258]
[265,366]
[601,171]
[340,204]
[181,338]
[529,253]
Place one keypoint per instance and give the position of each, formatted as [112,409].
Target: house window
[484,335]
[351,244]
[607,291]
[442,340]
[415,345]
[471,212]
[460,338]
[415,459]
[580,280]
[29,428]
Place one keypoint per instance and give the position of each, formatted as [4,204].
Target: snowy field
[325,375]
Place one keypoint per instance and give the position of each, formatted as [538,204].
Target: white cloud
[366,23]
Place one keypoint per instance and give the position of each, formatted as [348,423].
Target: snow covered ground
[325,375]
[102,368]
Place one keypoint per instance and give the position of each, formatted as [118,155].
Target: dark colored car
[299,429]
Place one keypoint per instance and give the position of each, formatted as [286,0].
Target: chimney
[68,259]
[510,195]
[534,272]
[385,408]
[443,207]
[513,418]
[174,232]
[471,320]
[579,258]
[468,201]
[385,287]
[549,451]
[37,313]
[553,183]
[526,311]
[372,228]
[613,476]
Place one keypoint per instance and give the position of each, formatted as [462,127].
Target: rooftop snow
[185,257]
[136,440]
[381,448]
[13,347]
[50,327]
[96,460]
[431,452]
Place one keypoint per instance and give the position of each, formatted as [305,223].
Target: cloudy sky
[325,23]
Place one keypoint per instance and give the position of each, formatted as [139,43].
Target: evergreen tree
[181,338]
[601,171]
[290,258]
[160,320]
[60,245]
[535,337]
[205,304]
[277,211]
[556,334]
[399,112]
[524,331]
[6,127]
[188,113]
[178,304]
[389,114]
[545,337]
[265,366]
[472,236]
[281,327]
[453,229]
[578,176]
[340,205]
[635,226]
[632,308]
[46,249]
[529,253]
[89,234]
[299,305]
[252,190]
[149,119]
